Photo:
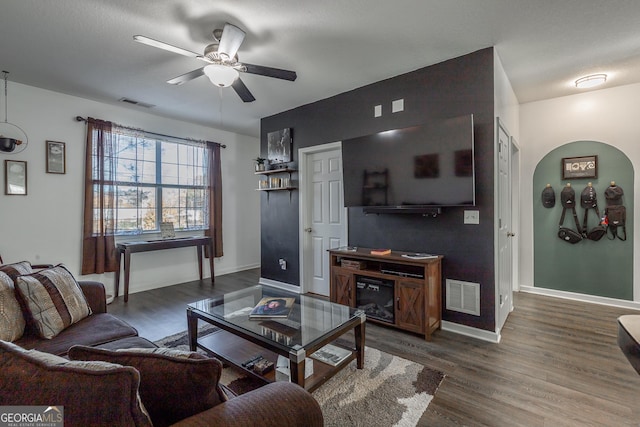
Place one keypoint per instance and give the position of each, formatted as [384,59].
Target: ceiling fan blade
[187,77]
[165,46]
[242,91]
[270,72]
[230,41]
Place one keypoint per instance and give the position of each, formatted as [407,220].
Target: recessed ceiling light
[591,81]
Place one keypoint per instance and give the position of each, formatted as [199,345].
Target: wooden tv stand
[418,300]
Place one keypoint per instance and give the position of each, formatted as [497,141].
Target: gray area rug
[389,391]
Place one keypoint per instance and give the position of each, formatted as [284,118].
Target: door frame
[303,206]
[513,169]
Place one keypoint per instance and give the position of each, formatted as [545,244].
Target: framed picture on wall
[56,157]
[15,177]
[580,167]
[279,146]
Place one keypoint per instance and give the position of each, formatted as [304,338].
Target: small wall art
[15,177]
[580,167]
[56,157]
[279,145]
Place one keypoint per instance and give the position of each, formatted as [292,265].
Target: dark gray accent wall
[452,88]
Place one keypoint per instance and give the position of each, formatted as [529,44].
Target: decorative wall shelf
[276,187]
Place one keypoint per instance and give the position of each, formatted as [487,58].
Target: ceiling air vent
[136,103]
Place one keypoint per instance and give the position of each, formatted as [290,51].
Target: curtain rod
[82,119]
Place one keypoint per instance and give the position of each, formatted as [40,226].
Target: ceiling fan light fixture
[591,81]
[221,75]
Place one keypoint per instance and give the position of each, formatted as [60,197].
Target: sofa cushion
[93,330]
[91,393]
[11,319]
[16,269]
[53,299]
[174,384]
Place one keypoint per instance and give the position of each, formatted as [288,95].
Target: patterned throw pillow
[12,321]
[54,300]
[174,384]
[90,392]
[16,269]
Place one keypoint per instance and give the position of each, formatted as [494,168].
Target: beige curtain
[98,242]
[215,199]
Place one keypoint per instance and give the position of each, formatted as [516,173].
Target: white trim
[613,302]
[280,285]
[303,207]
[481,334]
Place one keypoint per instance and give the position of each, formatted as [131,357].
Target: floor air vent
[463,297]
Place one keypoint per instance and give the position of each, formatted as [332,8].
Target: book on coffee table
[272,307]
[331,354]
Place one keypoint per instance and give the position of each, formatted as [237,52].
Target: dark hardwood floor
[558,363]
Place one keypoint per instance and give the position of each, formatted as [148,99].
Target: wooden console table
[416,286]
[128,248]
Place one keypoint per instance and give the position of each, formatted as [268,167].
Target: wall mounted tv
[414,169]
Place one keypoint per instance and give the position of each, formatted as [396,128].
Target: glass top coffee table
[311,324]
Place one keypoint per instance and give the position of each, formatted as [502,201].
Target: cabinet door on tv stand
[342,287]
[410,307]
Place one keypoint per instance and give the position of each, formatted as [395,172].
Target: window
[155,180]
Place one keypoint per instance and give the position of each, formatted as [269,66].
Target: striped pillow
[54,300]
[16,269]
[12,321]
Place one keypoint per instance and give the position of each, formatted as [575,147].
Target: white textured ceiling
[85,47]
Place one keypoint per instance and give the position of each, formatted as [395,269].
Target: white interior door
[505,250]
[323,216]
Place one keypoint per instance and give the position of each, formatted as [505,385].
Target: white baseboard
[634,305]
[481,334]
[280,285]
[234,269]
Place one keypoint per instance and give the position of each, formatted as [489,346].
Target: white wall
[46,225]
[608,115]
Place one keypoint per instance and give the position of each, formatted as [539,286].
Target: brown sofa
[629,338]
[113,382]
[100,328]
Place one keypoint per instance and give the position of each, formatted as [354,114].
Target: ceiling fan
[223,65]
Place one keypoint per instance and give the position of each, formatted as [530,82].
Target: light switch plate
[472,217]
[377,111]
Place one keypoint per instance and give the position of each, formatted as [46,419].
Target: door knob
[510,234]
[308,230]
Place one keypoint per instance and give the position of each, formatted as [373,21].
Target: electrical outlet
[472,217]
[283,263]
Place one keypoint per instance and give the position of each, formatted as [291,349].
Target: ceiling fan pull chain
[5,96]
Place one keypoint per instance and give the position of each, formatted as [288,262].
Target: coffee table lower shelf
[234,350]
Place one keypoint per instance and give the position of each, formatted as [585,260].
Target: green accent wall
[603,268]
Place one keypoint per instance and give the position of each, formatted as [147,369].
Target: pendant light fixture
[13,139]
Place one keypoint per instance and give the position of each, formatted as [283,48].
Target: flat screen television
[411,169]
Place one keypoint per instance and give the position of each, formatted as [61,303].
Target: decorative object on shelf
[15,177]
[167,231]
[56,157]
[580,167]
[385,251]
[279,145]
[260,166]
[12,138]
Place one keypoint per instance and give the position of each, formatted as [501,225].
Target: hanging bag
[568,200]
[588,201]
[615,213]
